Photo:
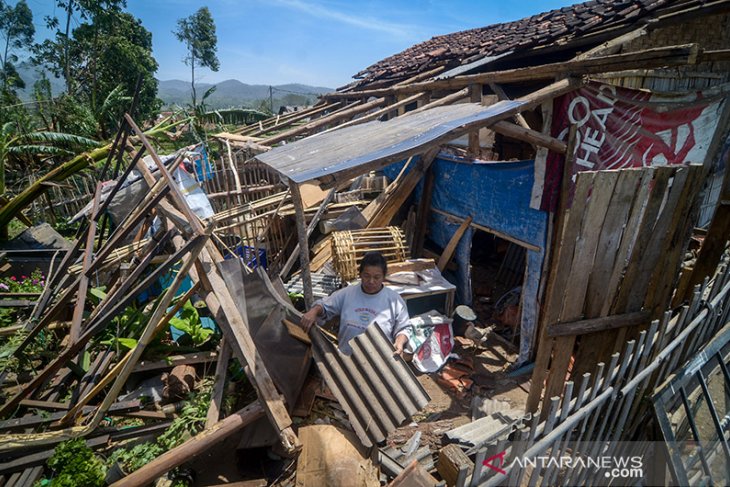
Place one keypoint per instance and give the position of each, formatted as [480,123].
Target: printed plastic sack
[433,353]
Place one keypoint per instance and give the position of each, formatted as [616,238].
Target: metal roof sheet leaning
[377,390]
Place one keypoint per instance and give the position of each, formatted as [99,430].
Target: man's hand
[310,317]
[400,343]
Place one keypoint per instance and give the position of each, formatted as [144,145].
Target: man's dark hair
[375,259]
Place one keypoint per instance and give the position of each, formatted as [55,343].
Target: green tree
[17,30]
[106,55]
[197,32]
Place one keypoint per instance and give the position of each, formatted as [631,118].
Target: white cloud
[362,22]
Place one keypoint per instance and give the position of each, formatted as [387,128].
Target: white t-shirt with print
[358,310]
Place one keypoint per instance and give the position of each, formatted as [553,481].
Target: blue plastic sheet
[497,196]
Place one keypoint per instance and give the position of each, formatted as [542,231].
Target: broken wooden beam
[194,446]
[530,136]
[593,325]
[451,246]
[451,460]
[297,332]
[326,120]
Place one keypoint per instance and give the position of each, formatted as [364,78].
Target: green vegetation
[189,323]
[16,27]
[74,464]
[189,423]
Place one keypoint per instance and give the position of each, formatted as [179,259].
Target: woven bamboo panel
[348,248]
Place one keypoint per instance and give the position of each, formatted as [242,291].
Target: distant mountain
[233,93]
[229,93]
[30,73]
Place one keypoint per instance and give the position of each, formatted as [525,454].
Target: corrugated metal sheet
[373,145]
[377,391]
[322,284]
[473,435]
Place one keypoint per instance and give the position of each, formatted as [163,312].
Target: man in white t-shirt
[359,306]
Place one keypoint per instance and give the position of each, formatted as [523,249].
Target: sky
[317,42]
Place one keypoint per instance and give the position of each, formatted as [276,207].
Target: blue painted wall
[496,195]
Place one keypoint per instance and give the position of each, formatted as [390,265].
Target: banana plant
[69,168]
[17,147]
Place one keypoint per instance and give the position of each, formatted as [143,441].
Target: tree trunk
[192,67]
[67,64]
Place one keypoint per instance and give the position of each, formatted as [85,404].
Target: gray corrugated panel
[372,145]
[377,391]
[483,430]
[322,284]
[465,68]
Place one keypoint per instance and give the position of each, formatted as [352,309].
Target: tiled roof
[555,27]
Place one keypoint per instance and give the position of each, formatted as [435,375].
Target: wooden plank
[411,266]
[616,237]
[349,112]
[414,475]
[608,245]
[75,331]
[193,447]
[333,162]
[288,120]
[446,100]
[451,246]
[475,96]
[530,136]
[297,332]
[655,247]
[222,306]
[483,228]
[310,229]
[577,283]
[40,458]
[649,180]
[35,419]
[396,193]
[422,214]
[451,459]
[677,236]
[303,243]
[502,95]
[593,325]
[92,328]
[174,360]
[383,111]
[311,193]
[567,222]
[177,197]
[216,396]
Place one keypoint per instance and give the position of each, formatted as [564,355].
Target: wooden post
[84,283]
[545,343]
[193,447]
[312,225]
[216,400]
[422,215]
[303,243]
[475,93]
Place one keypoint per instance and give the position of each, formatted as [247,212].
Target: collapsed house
[560,162]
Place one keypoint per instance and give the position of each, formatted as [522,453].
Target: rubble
[169,330]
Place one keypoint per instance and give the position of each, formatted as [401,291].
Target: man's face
[372,279]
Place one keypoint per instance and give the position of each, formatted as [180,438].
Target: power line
[294,92]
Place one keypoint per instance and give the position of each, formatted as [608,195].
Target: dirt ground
[449,409]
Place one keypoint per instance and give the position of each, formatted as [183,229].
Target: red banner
[621,128]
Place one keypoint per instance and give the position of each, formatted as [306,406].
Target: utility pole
[271,99]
